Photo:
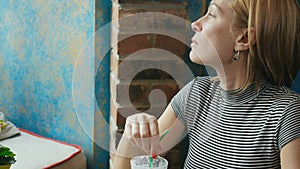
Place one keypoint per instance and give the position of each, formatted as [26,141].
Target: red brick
[164,19]
[122,114]
[130,68]
[170,30]
[177,8]
[152,74]
[138,93]
[135,93]
[125,12]
[119,92]
[170,88]
[153,23]
[134,43]
[170,44]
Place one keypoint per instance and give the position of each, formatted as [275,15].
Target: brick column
[126,43]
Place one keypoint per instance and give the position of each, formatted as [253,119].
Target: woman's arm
[290,155]
[177,130]
[132,145]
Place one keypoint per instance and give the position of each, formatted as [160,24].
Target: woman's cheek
[204,52]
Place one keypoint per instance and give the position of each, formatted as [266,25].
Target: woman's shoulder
[283,95]
[286,93]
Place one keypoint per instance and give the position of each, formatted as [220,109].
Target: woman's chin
[195,58]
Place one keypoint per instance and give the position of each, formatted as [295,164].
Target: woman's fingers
[142,130]
[145,137]
[135,131]
[153,128]
[128,131]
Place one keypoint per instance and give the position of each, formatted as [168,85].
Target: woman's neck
[231,82]
[232,76]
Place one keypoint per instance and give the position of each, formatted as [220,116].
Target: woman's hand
[142,131]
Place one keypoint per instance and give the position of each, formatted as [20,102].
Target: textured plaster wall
[40,42]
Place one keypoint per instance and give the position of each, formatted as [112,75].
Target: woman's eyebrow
[216,5]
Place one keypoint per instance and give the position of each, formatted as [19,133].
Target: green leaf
[6,155]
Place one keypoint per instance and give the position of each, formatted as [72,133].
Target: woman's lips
[194,42]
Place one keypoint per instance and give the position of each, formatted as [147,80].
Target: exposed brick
[134,43]
[152,74]
[179,13]
[138,93]
[125,12]
[153,22]
[134,67]
[122,114]
[170,89]
[150,7]
[170,44]
[120,92]
[133,16]
[178,8]
[131,35]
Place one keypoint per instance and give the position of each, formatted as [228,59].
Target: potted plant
[7,157]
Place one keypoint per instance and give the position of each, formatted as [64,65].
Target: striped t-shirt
[231,129]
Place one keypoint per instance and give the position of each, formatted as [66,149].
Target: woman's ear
[245,39]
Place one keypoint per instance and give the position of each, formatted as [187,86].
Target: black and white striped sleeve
[290,124]
[179,101]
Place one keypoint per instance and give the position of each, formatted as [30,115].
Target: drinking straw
[153,156]
[164,134]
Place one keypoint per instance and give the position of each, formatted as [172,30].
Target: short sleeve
[179,101]
[290,124]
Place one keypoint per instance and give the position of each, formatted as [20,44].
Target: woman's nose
[196,26]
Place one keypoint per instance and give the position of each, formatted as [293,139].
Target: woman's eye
[211,15]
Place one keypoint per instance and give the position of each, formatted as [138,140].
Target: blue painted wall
[40,42]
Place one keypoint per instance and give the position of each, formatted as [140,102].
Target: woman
[246,117]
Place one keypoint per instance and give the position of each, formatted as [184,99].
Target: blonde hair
[275,56]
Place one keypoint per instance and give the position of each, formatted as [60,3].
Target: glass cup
[143,162]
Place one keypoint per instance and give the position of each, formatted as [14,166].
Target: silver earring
[236,55]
